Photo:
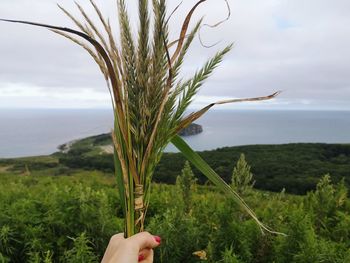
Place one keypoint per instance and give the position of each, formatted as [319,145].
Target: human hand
[138,248]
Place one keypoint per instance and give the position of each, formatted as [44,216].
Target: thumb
[145,240]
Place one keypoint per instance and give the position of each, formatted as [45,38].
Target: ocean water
[40,132]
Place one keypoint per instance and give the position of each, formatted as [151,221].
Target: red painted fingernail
[141,257]
[157,239]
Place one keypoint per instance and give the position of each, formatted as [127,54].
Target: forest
[295,167]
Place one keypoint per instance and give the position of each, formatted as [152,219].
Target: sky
[298,47]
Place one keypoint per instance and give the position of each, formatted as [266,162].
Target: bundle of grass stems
[149,99]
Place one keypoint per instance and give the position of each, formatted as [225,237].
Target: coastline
[32,133]
[295,166]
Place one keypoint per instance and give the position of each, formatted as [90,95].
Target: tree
[327,203]
[241,176]
[186,182]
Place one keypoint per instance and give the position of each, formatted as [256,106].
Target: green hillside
[295,167]
[65,207]
[71,219]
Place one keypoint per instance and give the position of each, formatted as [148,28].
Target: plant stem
[130,219]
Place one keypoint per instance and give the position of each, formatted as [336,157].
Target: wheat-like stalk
[149,101]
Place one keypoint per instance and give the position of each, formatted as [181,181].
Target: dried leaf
[213,26]
[194,116]
[201,254]
[184,31]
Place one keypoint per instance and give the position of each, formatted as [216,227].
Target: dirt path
[4,168]
[107,149]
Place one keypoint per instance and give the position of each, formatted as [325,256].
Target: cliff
[192,129]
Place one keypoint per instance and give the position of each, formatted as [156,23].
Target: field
[51,212]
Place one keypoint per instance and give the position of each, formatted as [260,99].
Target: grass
[149,99]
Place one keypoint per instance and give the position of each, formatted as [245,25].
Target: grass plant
[148,97]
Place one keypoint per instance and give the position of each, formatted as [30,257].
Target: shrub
[241,176]
[186,184]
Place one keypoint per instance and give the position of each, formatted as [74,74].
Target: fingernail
[157,239]
[141,257]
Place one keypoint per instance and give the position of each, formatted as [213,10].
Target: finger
[144,253]
[144,240]
[112,246]
[146,256]
[119,236]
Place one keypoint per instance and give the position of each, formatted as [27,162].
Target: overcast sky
[299,47]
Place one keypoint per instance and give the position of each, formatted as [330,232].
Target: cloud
[295,46]
[282,23]
[24,96]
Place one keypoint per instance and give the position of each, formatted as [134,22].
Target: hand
[138,248]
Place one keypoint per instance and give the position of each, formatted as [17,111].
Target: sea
[40,132]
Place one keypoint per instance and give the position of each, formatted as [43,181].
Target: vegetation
[70,218]
[186,183]
[294,167]
[149,99]
[242,178]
